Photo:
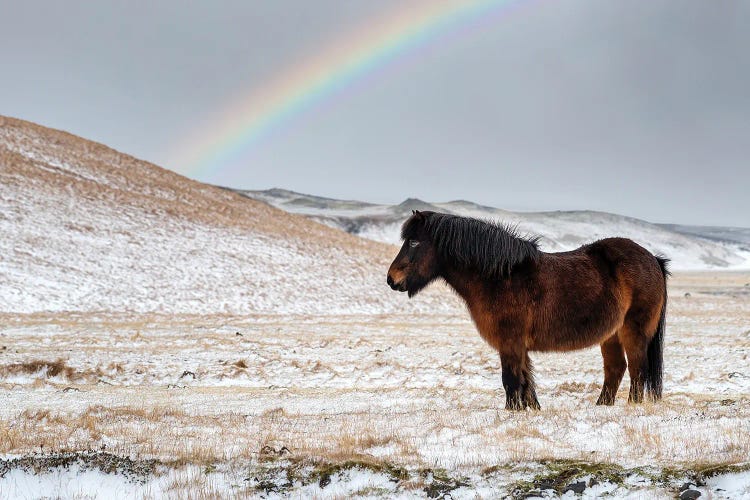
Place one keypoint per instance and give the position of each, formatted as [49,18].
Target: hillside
[86,228]
[689,247]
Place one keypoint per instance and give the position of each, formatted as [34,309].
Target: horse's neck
[474,291]
[466,283]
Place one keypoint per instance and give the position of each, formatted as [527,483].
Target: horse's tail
[655,353]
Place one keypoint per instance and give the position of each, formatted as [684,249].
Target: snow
[74,483]
[735,485]
[68,483]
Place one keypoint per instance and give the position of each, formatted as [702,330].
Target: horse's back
[595,286]
[635,269]
[621,258]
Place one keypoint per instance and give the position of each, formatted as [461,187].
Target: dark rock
[690,494]
[577,487]
[325,480]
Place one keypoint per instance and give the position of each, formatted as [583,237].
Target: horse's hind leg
[614,369]
[518,381]
[529,388]
[636,346]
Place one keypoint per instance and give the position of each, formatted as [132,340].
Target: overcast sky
[639,108]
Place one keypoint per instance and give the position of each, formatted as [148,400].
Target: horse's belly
[565,325]
[569,339]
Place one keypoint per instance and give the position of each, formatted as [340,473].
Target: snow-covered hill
[85,228]
[689,247]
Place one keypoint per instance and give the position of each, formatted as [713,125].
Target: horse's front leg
[518,381]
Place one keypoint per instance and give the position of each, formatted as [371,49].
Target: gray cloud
[640,108]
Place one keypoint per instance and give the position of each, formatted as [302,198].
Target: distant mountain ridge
[689,247]
[717,233]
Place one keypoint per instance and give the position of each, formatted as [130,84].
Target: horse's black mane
[491,248]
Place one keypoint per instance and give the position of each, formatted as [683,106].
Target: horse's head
[416,264]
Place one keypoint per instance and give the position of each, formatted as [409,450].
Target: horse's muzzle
[396,286]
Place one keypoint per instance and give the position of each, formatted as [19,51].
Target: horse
[612,292]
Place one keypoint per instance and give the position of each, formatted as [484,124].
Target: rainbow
[358,54]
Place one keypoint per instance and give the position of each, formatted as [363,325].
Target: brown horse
[612,292]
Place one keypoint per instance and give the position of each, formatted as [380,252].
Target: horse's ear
[414,212]
[418,215]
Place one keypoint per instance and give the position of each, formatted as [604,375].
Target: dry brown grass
[45,368]
[193,484]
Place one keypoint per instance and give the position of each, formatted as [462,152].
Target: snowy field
[179,406]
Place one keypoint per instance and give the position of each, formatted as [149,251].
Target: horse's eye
[413,243]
